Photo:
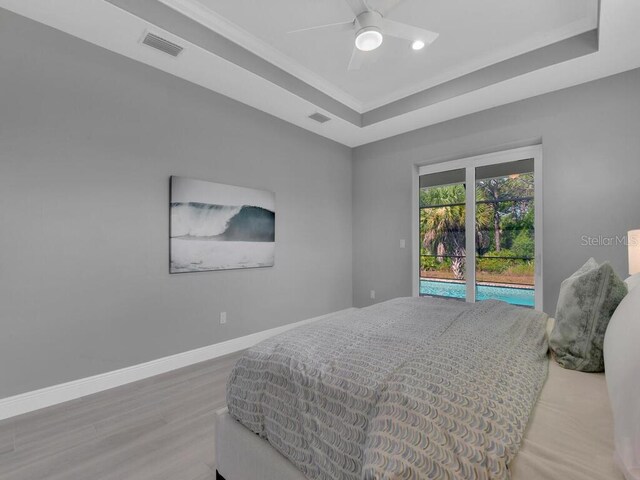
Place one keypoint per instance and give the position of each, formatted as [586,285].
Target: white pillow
[622,369]
[633,281]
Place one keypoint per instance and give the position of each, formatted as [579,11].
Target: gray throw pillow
[587,300]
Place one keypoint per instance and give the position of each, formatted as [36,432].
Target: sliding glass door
[479,228]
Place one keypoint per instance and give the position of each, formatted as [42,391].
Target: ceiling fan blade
[408,32]
[360,58]
[357,57]
[391,5]
[339,26]
[358,6]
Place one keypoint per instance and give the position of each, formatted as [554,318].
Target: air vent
[161,44]
[318,117]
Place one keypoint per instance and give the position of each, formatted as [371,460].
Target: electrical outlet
[223,318]
[403,243]
[373,294]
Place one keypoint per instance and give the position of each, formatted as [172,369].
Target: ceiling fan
[370,26]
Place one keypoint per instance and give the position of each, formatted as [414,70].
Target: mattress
[570,431]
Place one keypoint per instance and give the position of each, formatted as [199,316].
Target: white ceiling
[117,29]
[473,35]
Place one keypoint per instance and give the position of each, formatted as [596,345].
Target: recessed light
[368,39]
[417,45]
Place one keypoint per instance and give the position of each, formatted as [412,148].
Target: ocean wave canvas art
[220,227]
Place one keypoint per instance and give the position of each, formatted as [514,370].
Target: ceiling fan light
[368,39]
[417,45]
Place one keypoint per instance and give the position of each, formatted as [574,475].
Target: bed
[567,435]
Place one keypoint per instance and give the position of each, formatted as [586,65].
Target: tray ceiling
[473,35]
[488,54]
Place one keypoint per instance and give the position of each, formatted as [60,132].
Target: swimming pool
[515,296]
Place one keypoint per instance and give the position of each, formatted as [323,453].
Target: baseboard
[46,397]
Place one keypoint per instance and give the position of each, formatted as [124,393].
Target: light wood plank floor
[160,428]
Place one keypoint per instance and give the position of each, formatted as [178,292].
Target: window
[478,228]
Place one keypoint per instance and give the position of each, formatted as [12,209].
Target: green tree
[498,193]
[524,244]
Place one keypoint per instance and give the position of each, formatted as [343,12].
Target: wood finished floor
[160,428]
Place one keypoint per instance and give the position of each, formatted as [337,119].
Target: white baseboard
[46,397]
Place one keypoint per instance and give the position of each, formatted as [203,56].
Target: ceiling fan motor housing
[369,35]
[370,18]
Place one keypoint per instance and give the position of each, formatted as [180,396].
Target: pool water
[515,296]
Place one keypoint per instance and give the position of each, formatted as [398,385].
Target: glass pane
[442,239]
[505,241]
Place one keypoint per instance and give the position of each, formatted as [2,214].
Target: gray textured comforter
[407,389]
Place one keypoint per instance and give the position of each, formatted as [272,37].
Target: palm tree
[444,232]
[442,222]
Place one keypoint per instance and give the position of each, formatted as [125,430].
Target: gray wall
[88,140]
[591,167]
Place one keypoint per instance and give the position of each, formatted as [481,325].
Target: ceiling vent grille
[161,44]
[318,117]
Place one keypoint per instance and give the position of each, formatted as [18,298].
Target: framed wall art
[214,226]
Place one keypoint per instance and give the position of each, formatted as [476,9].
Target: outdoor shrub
[524,244]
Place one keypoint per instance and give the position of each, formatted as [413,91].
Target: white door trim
[470,235]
